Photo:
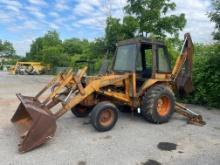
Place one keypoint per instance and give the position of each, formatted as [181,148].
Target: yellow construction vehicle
[30,68]
[140,78]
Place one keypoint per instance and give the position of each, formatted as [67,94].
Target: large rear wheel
[158,104]
[104,116]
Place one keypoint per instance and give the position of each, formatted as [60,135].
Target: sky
[21,21]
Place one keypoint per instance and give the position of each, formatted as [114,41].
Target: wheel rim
[106,117]
[163,105]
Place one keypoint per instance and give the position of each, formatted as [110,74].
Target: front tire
[158,104]
[104,116]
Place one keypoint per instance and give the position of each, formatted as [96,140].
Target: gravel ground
[132,141]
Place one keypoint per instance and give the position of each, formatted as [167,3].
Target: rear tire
[104,116]
[158,104]
[80,111]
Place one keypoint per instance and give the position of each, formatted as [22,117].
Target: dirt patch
[167,146]
[82,163]
[151,162]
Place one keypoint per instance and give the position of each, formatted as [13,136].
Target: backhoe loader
[140,77]
[28,68]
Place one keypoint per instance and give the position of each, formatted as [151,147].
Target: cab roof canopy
[140,41]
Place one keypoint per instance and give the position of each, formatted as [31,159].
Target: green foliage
[48,49]
[51,50]
[206,75]
[35,50]
[215,17]
[10,61]
[97,48]
[174,47]
[55,56]
[152,16]
[112,32]
[73,46]
[144,16]
[50,39]
[129,27]
[116,31]
[6,48]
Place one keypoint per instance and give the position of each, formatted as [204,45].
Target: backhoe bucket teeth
[36,123]
[198,120]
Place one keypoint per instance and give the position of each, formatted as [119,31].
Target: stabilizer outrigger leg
[193,118]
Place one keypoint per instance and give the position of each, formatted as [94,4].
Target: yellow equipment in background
[30,68]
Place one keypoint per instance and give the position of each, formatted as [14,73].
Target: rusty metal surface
[197,120]
[184,85]
[182,71]
[35,123]
[193,118]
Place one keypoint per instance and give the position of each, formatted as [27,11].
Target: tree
[206,73]
[97,47]
[54,56]
[50,39]
[116,31]
[129,27]
[148,16]
[215,17]
[152,16]
[36,48]
[112,32]
[6,48]
[73,46]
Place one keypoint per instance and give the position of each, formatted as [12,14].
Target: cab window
[125,58]
[163,62]
[149,57]
[139,65]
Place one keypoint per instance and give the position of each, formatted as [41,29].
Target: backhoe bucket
[36,123]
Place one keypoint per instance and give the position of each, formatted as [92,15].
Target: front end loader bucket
[36,123]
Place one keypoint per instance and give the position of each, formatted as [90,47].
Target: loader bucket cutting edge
[35,123]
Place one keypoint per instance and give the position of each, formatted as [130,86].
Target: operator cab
[143,56]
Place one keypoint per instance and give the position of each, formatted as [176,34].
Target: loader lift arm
[67,89]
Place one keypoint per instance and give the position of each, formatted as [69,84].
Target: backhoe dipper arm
[182,71]
[182,78]
[186,53]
